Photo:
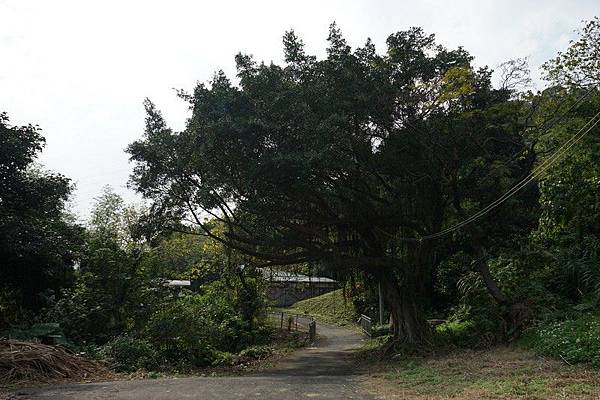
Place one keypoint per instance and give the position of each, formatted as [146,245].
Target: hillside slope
[330,307]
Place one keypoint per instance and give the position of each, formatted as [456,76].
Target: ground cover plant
[497,373]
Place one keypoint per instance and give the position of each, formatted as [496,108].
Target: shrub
[128,354]
[380,330]
[256,352]
[79,317]
[460,333]
[179,332]
[573,340]
[223,358]
[191,329]
[296,340]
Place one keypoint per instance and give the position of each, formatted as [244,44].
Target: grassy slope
[330,307]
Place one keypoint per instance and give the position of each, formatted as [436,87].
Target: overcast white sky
[80,69]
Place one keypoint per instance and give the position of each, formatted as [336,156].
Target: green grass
[330,307]
[517,386]
[495,373]
[416,375]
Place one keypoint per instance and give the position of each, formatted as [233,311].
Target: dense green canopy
[38,245]
[347,161]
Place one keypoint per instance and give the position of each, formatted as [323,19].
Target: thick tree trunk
[406,314]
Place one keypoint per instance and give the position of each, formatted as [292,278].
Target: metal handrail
[366,324]
[310,325]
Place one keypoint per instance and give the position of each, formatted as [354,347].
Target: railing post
[380,306]
[312,331]
[281,321]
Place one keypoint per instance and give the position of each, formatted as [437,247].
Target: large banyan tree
[349,161]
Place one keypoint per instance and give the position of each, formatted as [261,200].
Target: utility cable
[534,174]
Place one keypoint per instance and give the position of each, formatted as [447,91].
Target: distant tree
[112,291]
[111,219]
[579,65]
[569,229]
[39,243]
[175,256]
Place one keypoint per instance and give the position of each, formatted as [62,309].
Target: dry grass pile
[26,362]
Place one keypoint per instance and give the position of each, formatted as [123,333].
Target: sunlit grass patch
[332,307]
[518,385]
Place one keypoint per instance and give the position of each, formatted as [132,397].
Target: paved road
[324,371]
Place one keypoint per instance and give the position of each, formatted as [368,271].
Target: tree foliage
[113,293]
[569,229]
[347,161]
[579,65]
[39,242]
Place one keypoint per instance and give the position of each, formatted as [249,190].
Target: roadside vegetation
[462,194]
[113,305]
[495,373]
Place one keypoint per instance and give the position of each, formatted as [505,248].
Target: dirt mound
[26,362]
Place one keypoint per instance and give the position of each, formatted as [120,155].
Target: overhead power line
[520,185]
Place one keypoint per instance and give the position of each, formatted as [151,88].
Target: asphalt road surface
[324,371]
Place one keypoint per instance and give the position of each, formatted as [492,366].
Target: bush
[163,330]
[78,316]
[223,358]
[296,340]
[193,328]
[179,333]
[573,340]
[87,314]
[256,352]
[462,334]
[128,354]
[380,330]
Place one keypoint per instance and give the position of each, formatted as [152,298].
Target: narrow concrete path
[324,371]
